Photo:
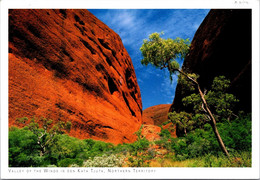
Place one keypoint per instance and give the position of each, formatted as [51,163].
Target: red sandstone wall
[67,65]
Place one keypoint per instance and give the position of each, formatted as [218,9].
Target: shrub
[23,148]
[64,147]
[122,148]
[138,161]
[95,148]
[105,161]
[236,135]
[68,161]
[138,146]
[165,133]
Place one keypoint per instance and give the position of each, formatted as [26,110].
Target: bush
[64,147]
[138,146]
[68,161]
[105,161]
[165,133]
[95,148]
[238,159]
[235,134]
[23,148]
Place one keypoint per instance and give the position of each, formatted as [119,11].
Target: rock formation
[156,115]
[222,46]
[67,65]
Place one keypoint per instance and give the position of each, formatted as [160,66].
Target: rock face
[67,65]
[222,46]
[152,118]
[151,132]
[156,115]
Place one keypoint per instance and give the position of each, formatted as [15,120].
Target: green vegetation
[200,142]
[199,148]
[25,150]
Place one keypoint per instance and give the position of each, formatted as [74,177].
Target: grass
[242,159]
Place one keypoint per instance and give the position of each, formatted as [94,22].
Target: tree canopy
[164,53]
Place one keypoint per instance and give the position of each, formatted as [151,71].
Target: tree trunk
[185,131]
[213,123]
[212,119]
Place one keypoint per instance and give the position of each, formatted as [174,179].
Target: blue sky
[135,25]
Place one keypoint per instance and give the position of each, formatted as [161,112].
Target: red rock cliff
[67,65]
[156,115]
[222,46]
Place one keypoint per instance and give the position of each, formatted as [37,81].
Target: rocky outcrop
[156,115]
[151,132]
[67,65]
[222,46]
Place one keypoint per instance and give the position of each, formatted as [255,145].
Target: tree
[163,53]
[46,134]
[182,119]
[220,102]
[23,148]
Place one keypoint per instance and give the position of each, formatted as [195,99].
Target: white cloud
[139,80]
[134,25]
[168,87]
[125,18]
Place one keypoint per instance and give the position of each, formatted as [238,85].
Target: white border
[160,173]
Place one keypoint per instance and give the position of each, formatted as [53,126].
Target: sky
[135,25]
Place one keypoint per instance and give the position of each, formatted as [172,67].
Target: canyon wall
[222,46]
[69,66]
[156,115]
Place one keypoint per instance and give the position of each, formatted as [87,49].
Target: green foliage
[182,119]
[195,149]
[165,133]
[45,142]
[69,162]
[220,102]
[236,135]
[138,161]
[139,132]
[63,150]
[64,147]
[23,148]
[200,120]
[92,148]
[187,86]
[99,147]
[165,139]
[193,101]
[238,159]
[138,146]
[111,160]
[163,53]
[61,127]
[44,130]
[220,83]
